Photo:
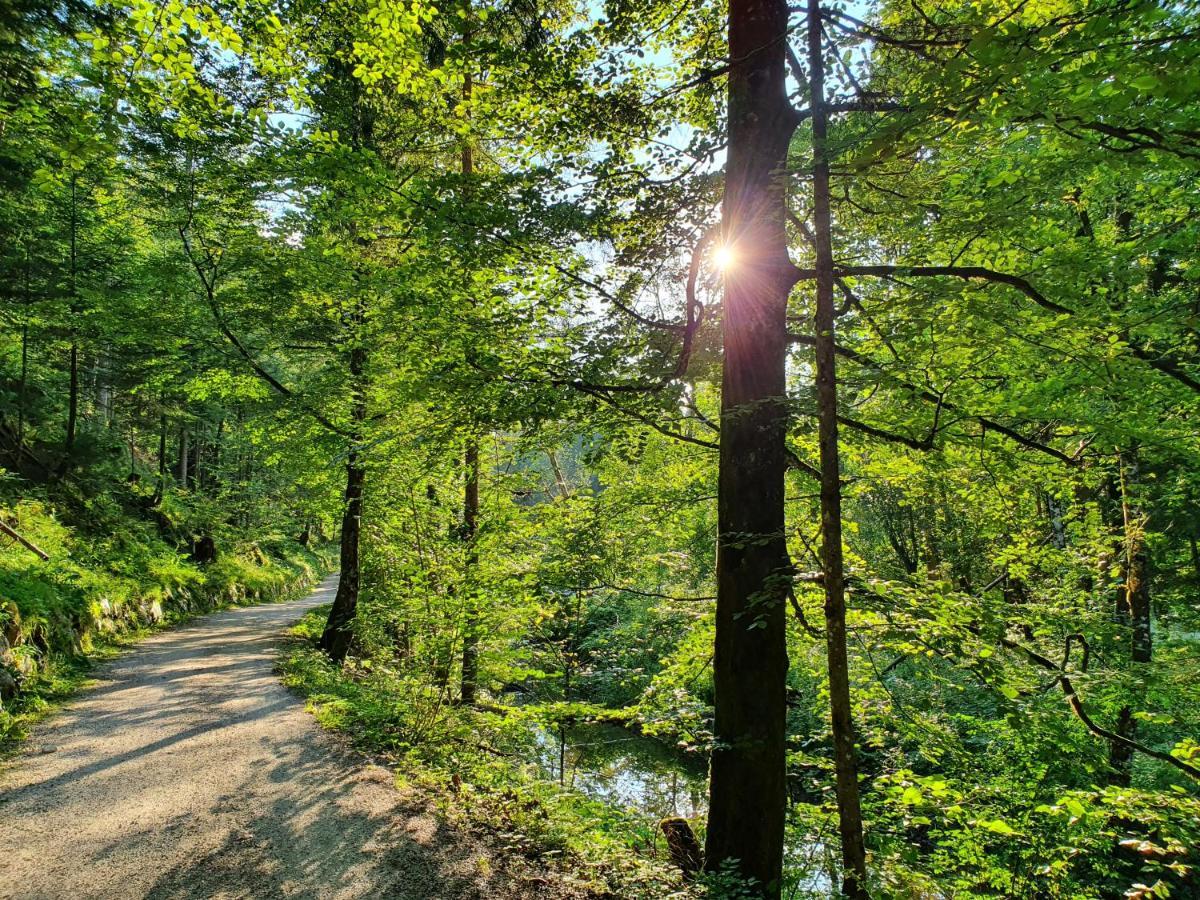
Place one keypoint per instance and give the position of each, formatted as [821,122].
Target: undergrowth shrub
[476,765]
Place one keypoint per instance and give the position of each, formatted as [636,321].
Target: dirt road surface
[189,771]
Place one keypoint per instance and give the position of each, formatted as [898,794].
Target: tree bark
[470,654]
[183,457]
[29,545]
[470,651]
[747,794]
[193,468]
[560,480]
[73,389]
[161,488]
[1133,608]
[214,474]
[23,385]
[850,827]
[335,640]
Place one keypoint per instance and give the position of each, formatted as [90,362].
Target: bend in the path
[189,771]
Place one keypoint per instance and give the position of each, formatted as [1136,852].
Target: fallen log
[23,541]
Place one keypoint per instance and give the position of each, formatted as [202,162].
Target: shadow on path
[189,771]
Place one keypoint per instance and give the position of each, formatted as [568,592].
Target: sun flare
[724,257]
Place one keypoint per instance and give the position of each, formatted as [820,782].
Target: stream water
[654,780]
[610,763]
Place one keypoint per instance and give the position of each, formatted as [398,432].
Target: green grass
[448,753]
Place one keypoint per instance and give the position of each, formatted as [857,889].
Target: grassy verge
[473,765]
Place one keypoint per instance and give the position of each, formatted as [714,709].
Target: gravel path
[189,771]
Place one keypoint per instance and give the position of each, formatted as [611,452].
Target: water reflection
[612,764]
[639,773]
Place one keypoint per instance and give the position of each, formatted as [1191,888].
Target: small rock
[11,622]
[8,685]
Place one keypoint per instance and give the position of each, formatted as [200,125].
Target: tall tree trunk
[214,468]
[161,488]
[470,650]
[183,456]
[747,793]
[73,389]
[338,633]
[335,640]
[560,480]
[470,654]
[131,442]
[102,390]
[22,389]
[1133,608]
[194,470]
[23,384]
[72,399]
[845,766]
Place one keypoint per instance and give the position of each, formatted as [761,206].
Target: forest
[758,441]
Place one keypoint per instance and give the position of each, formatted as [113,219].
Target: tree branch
[23,541]
[209,283]
[1166,365]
